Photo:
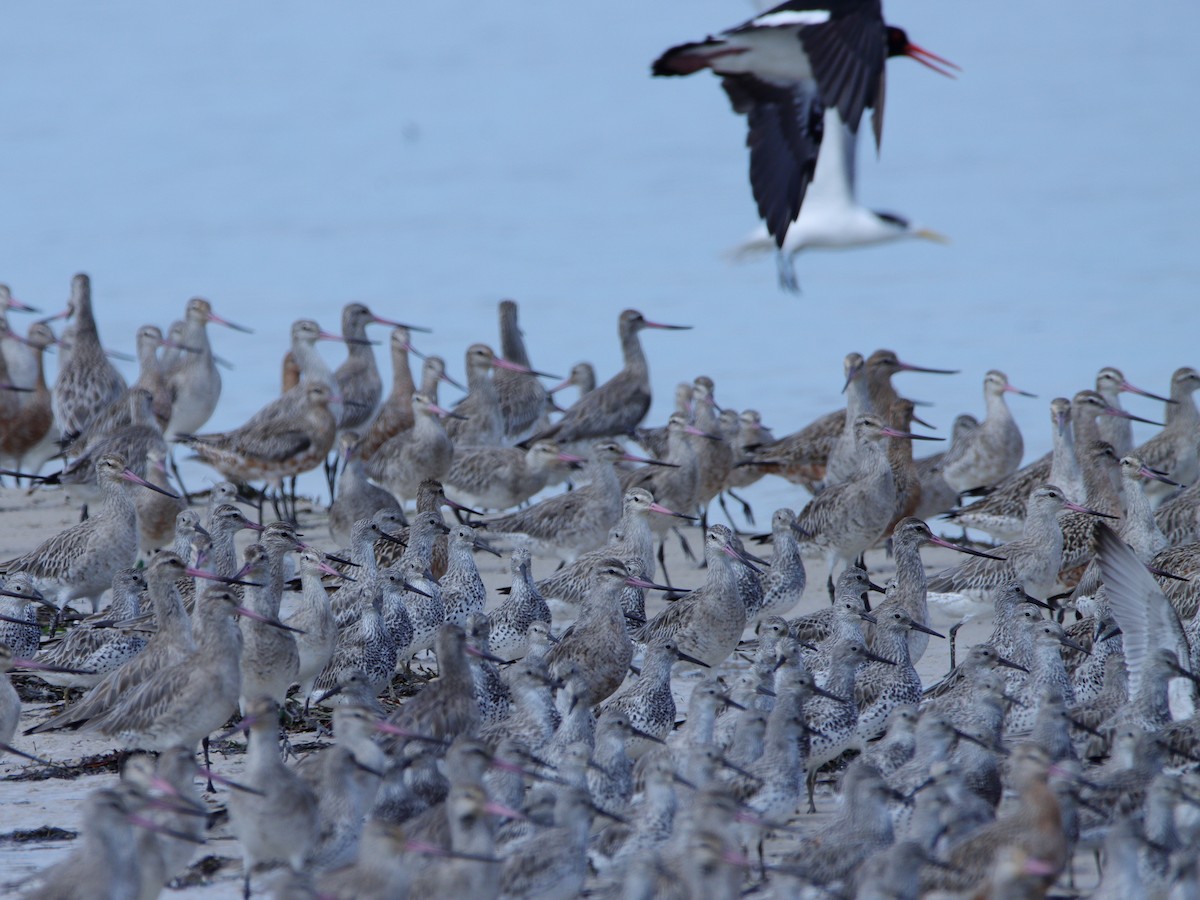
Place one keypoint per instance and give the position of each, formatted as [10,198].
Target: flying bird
[782,70]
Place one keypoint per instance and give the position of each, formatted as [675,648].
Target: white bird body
[831,217]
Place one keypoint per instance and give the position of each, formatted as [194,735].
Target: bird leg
[953,635]
[331,472]
[685,546]
[211,788]
[747,510]
[725,509]
[787,273]
[187,498]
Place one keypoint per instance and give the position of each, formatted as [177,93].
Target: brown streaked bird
[619,405]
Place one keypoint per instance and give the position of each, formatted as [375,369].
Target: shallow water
[285,158]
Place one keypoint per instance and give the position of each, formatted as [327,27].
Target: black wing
[786,124]
[847,55]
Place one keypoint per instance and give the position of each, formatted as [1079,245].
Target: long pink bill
[1147,472]
[629,457]
[1009,389]
[380,320]
[455,505]
[330,570]
[692,429]
[1130,389]
[34,666]
[220,579]
[634,581]
[908,435]
[266,620]
[941,542]
[1075,507]
[742,556]
[662,510]
[501,363]
[646,323]
[445,413]
[17,306]
[228,782]
[130,475]
[909,367]
[446,378]
[472,650]
[62,314]
[213,317]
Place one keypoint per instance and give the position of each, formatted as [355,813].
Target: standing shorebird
[81,561]
[18,357]
[480,421]
[105,862]
[422,453]
[358,378]
[847,519]
[619,405]
[184,704]
[28,435]
[993,450]
[277,822]
[1110,384]
[194,379]
[781,70]
[289,436]
[1034,560]
[1175,449]
[357,498]
[569,524]
[316,634]
[99,644]
[523,400]
[503,477]
[597,643]
[708,623]
[87,382]
[19,627]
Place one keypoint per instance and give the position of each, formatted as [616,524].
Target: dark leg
[187,498]
[685,546]
[811,782]
[725,509]
[331,473]
[208,765]
[953,635]
[747,511]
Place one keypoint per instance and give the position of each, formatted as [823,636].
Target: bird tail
[684,59]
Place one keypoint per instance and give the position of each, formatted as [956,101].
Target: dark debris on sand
[38,835]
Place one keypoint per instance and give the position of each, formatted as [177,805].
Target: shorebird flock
[575,733]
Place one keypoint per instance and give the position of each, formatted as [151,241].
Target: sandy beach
[33,802]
